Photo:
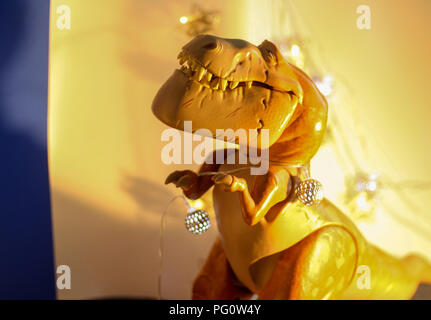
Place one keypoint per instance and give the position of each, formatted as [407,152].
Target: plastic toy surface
[270,243]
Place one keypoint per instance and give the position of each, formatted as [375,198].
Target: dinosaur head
[233,84]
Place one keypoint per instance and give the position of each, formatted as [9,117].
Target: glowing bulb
[362,203]
[328,79]
[325,85]
[294,51]
[371,185]
[184,19]
[197,204]
[374,176]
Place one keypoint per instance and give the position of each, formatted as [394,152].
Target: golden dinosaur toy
[271,244]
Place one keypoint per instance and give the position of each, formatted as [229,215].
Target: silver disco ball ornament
[310,192]
[197,222]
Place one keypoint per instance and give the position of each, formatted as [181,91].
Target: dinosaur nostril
[210,45]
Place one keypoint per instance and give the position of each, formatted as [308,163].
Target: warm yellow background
[104,142]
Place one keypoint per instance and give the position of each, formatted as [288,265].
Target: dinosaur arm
[202,182]
[194,185]
[268,190]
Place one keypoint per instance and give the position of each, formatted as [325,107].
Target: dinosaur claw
[222,178]
[184,181]
[172,177]
[181,179]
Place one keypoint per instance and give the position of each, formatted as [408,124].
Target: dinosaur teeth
[191,64]
[214,84]
[196,72]
[196,76]
[223,84]
[233,84]
[196,66]
[201,73]
[182,60]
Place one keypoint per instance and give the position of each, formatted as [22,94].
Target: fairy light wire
[162,243]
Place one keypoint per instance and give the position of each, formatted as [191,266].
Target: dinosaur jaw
[183,98]
[227,90]
[196,71]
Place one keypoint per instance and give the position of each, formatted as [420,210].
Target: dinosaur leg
[217,280]
[319,267]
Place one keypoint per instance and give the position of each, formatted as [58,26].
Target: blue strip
[26,245]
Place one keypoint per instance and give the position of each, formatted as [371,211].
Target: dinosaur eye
[210,46]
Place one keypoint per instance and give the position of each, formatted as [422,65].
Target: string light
[199,21]
[310,192]
[184,19]
[197,221]
[324,85]
[292,52]
[295,51]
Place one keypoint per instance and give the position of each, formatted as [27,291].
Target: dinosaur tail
[391,277]
[419,267]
